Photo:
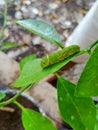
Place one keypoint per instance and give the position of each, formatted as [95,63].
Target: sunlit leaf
[2,95]
[87,85]
[42,29]
[35,121]
[33,72]
[26,59]
[96,124]
[78,112]
[7,45]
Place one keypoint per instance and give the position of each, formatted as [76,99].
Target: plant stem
[4,103]
[91,46]
[61,46]
[5,20]
[19,105]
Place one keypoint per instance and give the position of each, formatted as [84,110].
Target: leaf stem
[4,103]
[61,45]
[19,105]
[91,46]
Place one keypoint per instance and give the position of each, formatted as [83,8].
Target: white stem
[87,31]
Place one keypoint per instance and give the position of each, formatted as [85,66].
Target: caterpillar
[59,55]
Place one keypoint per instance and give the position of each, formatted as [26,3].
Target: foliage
[7,45]
[34,120]
[42,29]
[26,59]
[96,124]
[2,95]
[75,103]
[87,85]
[75,109]
[33,72]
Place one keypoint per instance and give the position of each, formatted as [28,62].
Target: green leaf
[8,45]
[34,121]
[96,124]
[78,112]
[33,72]
[42,29]
[26,59]
[2,95]
[87,85]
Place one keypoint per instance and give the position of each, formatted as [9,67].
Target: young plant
[4,45]
[75,100]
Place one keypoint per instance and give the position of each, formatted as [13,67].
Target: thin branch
[19,105]
[92,45]
[4,103]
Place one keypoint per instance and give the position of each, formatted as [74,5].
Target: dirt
[11,120]
[10,115]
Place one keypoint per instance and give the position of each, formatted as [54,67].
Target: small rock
[9,24]
[36,40]
[18,15]
[48,46]
[6,32]
[35,11]
[15,26]
[26,2]
[26,14]
[27,39]
[66,33]
[53,15]
[65,1]
[24,9]
[17,2]
[47,12]
[78,16]
[14,54]
[17,8]
[55,21]
[33,0]
[79,2]
[40,13]
[53,6]
[68,23]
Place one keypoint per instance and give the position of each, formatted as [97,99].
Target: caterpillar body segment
[59,55]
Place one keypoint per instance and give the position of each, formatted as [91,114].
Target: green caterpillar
[59,55]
